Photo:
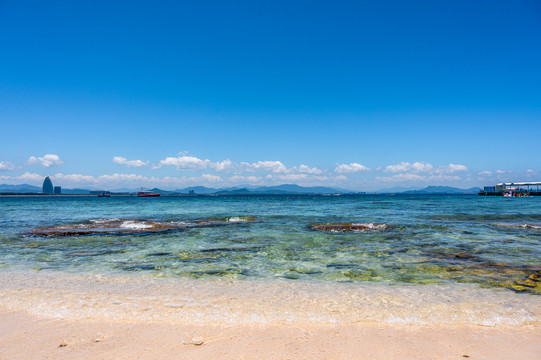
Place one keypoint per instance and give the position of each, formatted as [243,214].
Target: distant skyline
[357,95]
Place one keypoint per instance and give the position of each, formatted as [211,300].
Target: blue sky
[360,95]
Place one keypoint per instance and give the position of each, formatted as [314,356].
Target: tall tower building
[47,186]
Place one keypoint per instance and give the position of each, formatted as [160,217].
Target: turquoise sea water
[488,241]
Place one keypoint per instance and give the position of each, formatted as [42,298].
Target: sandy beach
[66,316]
[30,337]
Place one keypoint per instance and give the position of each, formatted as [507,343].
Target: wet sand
[25,336]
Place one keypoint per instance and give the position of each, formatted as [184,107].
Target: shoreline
[264,302]
[50,315]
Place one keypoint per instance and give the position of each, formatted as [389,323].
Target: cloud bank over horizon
[187,170]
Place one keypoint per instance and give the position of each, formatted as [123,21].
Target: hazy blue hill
[293,188]
[279,190]
[443,190]
[23,188]
[124,190]
[75,191]
[243,191]
[396,190]
[163,192]
[274,192]
[250,189]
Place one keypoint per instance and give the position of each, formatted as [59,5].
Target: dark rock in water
[223,249]
[160,254]
[215,272]
[228,249]
[129,226]
[349,227]
[341,266]
[106,226]
[93,253]
[248,272]
[467,256]
[142,267]
[199,260]
[459,256]
[291,275]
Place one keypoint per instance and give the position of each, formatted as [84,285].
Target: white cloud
[194,163]
[24,178]
[484,173]
[47,160]
[129,163]
[278,167]
[450,169]
[222,166]
[185,162]
[273,166]
[427,168]
[307,170]
[6,165]
[350,168]
[75,178]
[406,166]
[31,177]
[530,172]
[212,178]
[411,177]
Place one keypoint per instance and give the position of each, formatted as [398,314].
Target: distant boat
[104,194]
[143,193]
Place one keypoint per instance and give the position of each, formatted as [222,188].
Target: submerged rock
[349,227]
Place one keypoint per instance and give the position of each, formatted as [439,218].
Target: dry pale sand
[25,336]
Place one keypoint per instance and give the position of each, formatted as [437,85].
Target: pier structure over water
[513,189]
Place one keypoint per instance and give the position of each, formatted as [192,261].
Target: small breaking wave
[349,227]
[527,226]
[240,219]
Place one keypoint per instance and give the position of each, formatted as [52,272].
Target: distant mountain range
[278,189]
[198,190]
[23,188]
[248,189]
[443,190]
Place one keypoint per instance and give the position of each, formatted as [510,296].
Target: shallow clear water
[488,241]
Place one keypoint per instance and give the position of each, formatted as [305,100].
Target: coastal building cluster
[518,189]
[48,188]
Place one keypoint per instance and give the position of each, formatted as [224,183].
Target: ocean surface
[250,259]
